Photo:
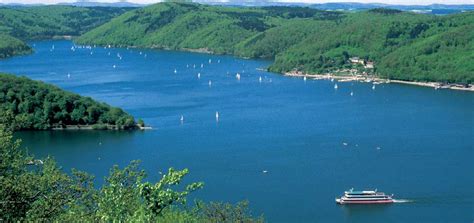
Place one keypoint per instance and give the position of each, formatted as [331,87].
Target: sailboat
[217,116]
[237,76]
[182,119]
[260,79]
[304,78]
[335,86]
[199,75]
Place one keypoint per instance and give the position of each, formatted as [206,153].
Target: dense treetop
[403,45]
[10,46]
[36,105]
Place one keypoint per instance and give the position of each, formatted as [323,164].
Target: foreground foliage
[44,193]
[403,45]
[36,105]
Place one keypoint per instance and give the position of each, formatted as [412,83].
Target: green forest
[40,191]
[402,45]
[11,46]
[34,105]
[19,24]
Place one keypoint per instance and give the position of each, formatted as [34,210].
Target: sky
[404,2]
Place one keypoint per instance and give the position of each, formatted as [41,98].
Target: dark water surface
[293,129]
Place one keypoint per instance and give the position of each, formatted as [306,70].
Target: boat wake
[402,201]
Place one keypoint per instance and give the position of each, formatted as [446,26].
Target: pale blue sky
[405,2]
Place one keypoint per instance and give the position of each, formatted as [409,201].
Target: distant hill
[122,4]
[20,23]
[42,22]
[428,9]
[403,45]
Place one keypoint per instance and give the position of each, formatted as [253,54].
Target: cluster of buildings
[366,64]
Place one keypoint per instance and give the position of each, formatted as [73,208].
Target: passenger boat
[364,197]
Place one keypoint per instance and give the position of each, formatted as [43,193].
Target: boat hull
[384,201]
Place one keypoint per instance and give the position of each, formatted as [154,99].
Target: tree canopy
[37,105]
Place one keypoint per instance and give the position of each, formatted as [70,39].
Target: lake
[414,142]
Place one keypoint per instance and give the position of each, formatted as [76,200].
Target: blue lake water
[293,129]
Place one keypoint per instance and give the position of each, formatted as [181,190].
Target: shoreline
[378,80]
[341,78]
[98,128]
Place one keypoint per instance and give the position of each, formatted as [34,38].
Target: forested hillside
[10,46]
[402,45]
[45,22]
[35,105]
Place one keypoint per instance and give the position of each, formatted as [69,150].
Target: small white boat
[237,76]
[335,86]
[210,83]
[175,71]
[304,78]
[260,79]
[373,87]
[199,75]
[210,61]
[217,116]
[181,119]
[352,93]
